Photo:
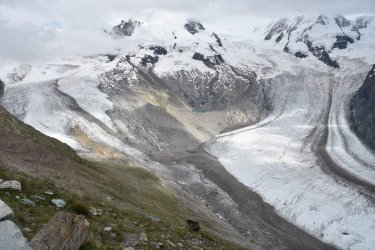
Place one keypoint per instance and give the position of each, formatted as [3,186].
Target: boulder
[6,212]
[65,231]
[58,203]
[37,198]
[193,225]
[27,202]
[11,237]
[143,237]
[15,185]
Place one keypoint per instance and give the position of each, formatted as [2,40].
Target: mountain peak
[125,28]
[193,27]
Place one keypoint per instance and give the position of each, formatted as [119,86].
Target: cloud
[28,29]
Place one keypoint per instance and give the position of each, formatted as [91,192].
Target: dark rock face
[149,59]
[276,28]
[363,110]
[2,88]
[110,57]
[278,39]
[64,231]
[218,40]
[342,42]
[322,20]
[361,23]
[322,54]
[158,50]
[125,28]
[193,225]
[341,21]
[299,54]
[193,27]
[209,61]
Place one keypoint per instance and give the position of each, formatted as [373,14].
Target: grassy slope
[126,194]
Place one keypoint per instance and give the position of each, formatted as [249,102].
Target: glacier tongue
[277,158]
[185,84]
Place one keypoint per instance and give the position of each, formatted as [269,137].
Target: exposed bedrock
[363,110]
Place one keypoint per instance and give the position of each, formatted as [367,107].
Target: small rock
[107,229]
[153,218]
[143,237]
[11,237]
[63,231]
[27,230]
[93,211]
[128,248]
[58,203]
[6,212]
[27,202]
[180,244]
[1,180]
[15,185]
[193,225]
[170,243]
[131,240]
[159,245]
[17,197]
[48,192]
[37,198]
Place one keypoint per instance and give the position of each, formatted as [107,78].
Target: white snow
[275,158]
[85,91]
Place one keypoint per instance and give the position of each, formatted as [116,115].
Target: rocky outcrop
[148,59]
[193,27]
[342,22]
[342,42]
[6,212]
[2,88]
[276,28]
[11,237]
[209,61]
[193,225]
[14,185]
[218,40]
[125,28]
[363,110]
[64,231]
[322,54]
[158,50]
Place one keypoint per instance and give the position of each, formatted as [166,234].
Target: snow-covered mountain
[287,87]
[320,36]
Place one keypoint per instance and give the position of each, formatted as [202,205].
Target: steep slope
[363,110]
[318,36]
[184,84]
[125,193]
[165,96]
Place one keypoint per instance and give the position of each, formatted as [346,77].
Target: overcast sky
[82,20]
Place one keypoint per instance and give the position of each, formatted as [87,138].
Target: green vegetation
[129,199]
[160,217]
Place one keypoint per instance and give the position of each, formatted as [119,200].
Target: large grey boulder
[15,185]
[6,212]
[11,237]
[64,231]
